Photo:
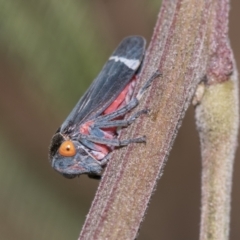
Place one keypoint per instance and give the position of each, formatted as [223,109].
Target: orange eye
[67,149]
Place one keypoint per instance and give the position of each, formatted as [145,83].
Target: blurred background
[50,51]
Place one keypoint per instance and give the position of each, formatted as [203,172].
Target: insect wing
[115,75]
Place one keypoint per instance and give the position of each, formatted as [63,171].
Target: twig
[217,120]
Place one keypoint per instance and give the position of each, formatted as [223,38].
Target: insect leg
[120,123]
[147,84]
[120,112]
[112,142]
[133,140]
[133,102]
[105,160]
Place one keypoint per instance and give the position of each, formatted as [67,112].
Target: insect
[83,142]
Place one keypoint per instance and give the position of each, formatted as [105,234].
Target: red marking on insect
[84,128]
[102,149]
[122,97]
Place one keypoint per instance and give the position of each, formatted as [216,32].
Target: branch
[217,120]
[180,50]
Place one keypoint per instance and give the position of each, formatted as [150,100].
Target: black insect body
[83,142]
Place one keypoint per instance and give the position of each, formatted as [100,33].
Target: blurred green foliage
[27,204]
[53,40]
[54,51]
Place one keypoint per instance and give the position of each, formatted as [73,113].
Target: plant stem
[179,49]
[217,121]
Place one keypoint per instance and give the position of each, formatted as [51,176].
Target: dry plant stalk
[180,49]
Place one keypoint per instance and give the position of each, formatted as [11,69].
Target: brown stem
[179,49]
